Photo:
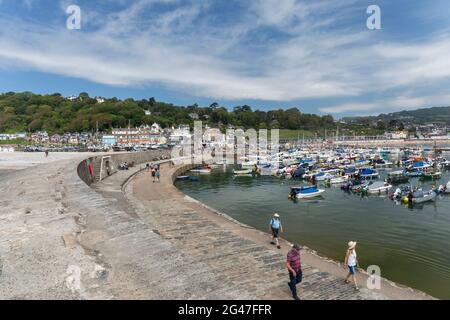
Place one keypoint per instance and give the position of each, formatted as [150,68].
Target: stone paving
[246,268]
[56,230]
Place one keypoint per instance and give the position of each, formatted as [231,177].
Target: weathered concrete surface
[163,246]
[247,265]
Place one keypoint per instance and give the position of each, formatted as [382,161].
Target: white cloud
[187,48]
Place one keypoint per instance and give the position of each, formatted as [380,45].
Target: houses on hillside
[143,135]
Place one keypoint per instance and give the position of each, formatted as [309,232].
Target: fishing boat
[378,187]
[306,192]
[397,177]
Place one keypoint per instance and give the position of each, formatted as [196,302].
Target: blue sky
[316,55]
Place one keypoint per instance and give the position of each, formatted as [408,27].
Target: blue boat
[306,192]
[368,173]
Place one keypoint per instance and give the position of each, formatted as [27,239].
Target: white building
[180,133]
[100,99]
[155,128]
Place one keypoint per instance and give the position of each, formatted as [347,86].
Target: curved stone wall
[112,161]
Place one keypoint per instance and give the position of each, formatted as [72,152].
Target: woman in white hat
[275,229]
[351,261]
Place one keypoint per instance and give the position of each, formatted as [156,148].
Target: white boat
[378,187]
[306,192]
[202,170]
[323,176]
[385,164]
[248,164]
[421,197]
[243,172]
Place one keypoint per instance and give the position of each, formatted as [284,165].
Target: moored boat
[421,196]
[378,187]
[243,172]
[202,170]
[306,192]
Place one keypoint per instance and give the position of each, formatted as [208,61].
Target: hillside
[420,116]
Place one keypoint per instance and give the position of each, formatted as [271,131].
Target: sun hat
[352,245]
[276,215]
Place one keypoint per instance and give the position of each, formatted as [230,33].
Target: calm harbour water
[411,245]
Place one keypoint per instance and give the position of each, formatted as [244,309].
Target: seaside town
[218,151]
[154,136]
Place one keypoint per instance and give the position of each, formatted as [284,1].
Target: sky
[316,55]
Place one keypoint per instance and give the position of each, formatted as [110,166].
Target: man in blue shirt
[275,229]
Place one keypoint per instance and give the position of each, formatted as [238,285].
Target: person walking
[275,228]
[158,175]
[294,266]
[351,262]
[153,174]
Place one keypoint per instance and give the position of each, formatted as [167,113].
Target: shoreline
[117,242]
[310,257]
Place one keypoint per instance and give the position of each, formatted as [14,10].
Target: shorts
[352,269]
[275,232]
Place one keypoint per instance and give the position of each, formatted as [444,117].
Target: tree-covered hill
[56,114]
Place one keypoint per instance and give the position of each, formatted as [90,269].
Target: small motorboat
[378,187]
[338,180]
[305,192]
[322,176]
[421,196]
[243,172]
[202,170]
